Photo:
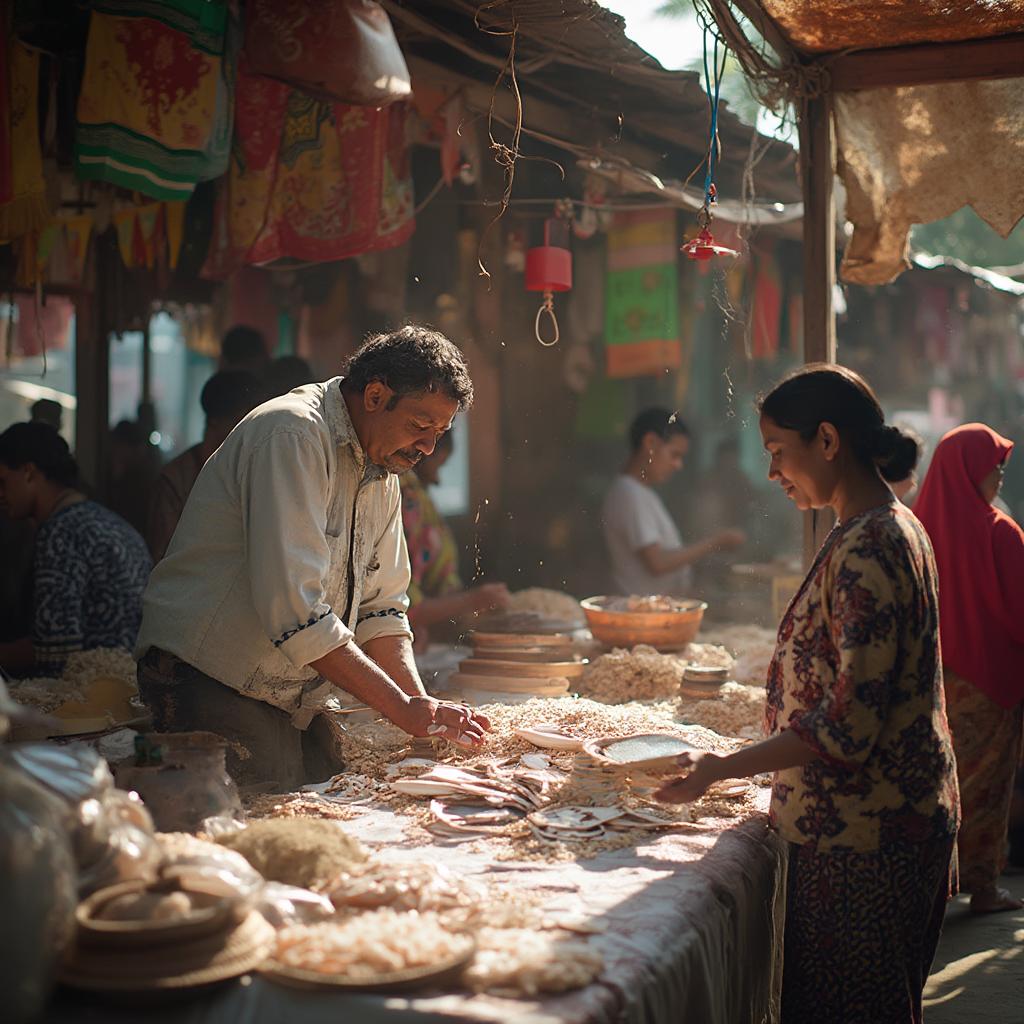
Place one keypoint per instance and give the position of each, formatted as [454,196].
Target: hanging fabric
[341,51]
[24,209]
[642,294]
[150,235]
[155,107]
[313,181]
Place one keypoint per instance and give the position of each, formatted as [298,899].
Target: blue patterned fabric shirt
[89,571]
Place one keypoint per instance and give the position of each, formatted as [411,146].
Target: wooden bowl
[210,914]
[663,630]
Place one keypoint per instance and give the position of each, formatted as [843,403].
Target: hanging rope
[713,87]
[547,308]
[775,82]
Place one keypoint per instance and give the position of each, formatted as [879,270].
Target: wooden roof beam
[767,26]
[928,63]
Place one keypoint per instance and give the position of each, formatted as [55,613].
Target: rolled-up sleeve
[285,493]
[383,608]
[863,626]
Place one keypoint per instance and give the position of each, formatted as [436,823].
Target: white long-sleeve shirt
[290,545]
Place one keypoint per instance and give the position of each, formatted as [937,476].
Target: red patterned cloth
[987,741]
[310,180]
[980,554]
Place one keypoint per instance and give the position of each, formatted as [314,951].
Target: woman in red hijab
[980,556]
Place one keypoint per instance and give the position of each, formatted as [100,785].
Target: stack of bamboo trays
[518,666]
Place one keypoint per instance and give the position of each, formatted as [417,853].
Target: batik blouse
[433,553]
[857,676]
[90,568]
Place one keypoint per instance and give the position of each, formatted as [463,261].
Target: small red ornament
[549,266]
[549,270]
[704,247]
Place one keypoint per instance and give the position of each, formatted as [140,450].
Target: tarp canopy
[928,117]
[828,26]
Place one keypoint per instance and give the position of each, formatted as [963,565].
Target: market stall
[544,852]
[673,919]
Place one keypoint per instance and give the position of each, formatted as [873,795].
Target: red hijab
[979,552]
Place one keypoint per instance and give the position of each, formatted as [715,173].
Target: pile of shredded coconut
[640,674]
[371,945]
[735,710]
[520,961]
[552,604]
[81,670]
[753,648]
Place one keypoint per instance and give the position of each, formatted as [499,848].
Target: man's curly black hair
[411,361]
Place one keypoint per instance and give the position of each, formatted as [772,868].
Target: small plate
[644,752]
[549,738]
[414,977]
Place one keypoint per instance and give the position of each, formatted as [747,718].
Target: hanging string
[547,309]
[713,87]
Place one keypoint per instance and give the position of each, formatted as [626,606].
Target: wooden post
[817,171]
[92,379]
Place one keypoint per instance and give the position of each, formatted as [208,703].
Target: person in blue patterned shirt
[89,566]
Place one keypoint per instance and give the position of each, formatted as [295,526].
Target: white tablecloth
[691,932]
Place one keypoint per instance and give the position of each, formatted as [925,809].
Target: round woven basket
[663,630]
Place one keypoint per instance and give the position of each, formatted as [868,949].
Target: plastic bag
[283,905]
[38,891]
[203,866]
[111,831]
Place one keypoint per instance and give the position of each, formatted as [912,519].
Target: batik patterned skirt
[987,742]
[861,932]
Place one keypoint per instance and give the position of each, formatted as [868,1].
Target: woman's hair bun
[896,452]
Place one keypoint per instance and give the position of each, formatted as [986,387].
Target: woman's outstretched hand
[706,769]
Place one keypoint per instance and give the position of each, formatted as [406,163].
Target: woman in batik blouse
[89,567]
[864,784]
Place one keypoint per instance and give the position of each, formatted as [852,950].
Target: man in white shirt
[282,595]
[646,551]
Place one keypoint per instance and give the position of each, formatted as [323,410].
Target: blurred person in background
[437,594]
[645,548]
[286,373]
[47,411]
[89,566]
[245,348]
[980,554]
[226,397]
[134,467]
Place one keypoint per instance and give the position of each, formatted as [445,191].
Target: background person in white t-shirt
[646,551]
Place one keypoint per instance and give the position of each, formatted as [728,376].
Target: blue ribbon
[713,91]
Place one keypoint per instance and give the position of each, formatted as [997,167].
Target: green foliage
[676,9]
[965,236]
[735,90]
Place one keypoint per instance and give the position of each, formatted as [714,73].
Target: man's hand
[727,540]
[707,769]
[427,716]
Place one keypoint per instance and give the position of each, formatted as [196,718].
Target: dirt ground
[978,975]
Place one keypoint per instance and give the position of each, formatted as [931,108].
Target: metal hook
[548,306]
